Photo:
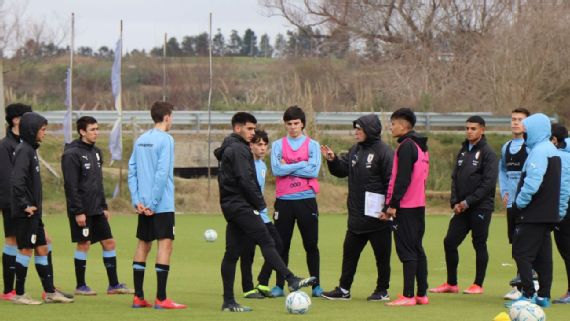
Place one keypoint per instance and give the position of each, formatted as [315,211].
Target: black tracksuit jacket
[7,149]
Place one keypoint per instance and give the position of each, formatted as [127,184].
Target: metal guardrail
[199,119]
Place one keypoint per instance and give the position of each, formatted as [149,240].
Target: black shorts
[156,227]
[9,225]
[96,229]
[30,232]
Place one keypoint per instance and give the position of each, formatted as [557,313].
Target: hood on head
[538,129]
[371,126]
[30,124]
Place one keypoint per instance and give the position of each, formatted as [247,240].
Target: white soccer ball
[526,312]
[297,302]
[210,235]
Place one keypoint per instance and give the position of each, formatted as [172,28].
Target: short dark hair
[521,110]
[241,118]
[260,135]
[159,109]
[561,133]
[16,110]
[406,114]
[476,119]
[83,122]
[294,112]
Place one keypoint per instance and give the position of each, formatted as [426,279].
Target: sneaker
[140,303]
[516,281]
[265,290]
[317,291]
[65,294]
[543,302]
[296,283]
[422,300]
[473,289]
[277,291]
[56,297]
[8,296]
[565,299]
[402,301]
[120,288]
[25,299]
[84,290]
[168,304]
[445,288]
[379,295]
[513,294]
[235,307]
[336,294]
[253,294]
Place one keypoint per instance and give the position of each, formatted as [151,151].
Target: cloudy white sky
[146,21]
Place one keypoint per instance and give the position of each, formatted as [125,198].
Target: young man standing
[258,146]
[27,211]
[8,145]
[241,201]
[536,210]
[296,162]
[405,205]
[368,166]
[472,199]
[151,183]
[513,155]
[82,167]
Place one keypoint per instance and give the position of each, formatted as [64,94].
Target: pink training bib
[286,185]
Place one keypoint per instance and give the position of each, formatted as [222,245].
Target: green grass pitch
[195,278]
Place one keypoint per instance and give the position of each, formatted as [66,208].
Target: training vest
[287,185]
[415,195]
[515,162]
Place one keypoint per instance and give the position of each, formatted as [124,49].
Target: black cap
[16,110]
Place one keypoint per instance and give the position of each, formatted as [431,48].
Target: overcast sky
[146,21]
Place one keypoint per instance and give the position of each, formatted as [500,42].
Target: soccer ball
[297,302]
[526,312]
[210,235]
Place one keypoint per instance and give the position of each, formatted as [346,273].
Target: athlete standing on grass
[405,205]
[27,212]
[151,183]
[368,166]
[296,162]
[82,168]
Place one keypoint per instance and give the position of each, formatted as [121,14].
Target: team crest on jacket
[85,232]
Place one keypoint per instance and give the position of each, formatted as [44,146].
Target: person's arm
[278,168]
[132,178]
[161,174]
[488,181]
[102,186]
[503,179]
[313,165]
[453,196]
[243,169]
[339,166]
[19,180]
[71,169]
[535,168]
[407,156]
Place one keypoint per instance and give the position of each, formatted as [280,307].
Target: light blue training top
[509,180]
[261,170]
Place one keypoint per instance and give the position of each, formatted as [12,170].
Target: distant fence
[199,119]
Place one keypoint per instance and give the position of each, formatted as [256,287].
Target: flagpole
[164,69]
[2,111]
[210,112]
[71,54]
[120,106]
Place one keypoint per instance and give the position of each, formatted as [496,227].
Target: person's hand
[327,152]
[148,212]
[383,217]
[107,214]
[140,208]
[391,212]
[505,199]
[30,210]
[81,220]
[283,162]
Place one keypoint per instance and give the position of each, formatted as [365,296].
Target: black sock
[161,278]
[45,277]
[21,273]
[50,263]
[111,267]
[9,271]
[80,267]
[138,278]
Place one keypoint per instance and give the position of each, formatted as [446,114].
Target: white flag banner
[67,118]
[115,140]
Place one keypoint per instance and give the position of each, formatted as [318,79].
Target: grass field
[195,278]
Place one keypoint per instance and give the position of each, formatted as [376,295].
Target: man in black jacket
[82,167]
[472,199]
[368,166]
[7,147]
[27,211]
[241,200]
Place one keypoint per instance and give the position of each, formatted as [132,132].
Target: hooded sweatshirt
[82,167]
[564,154]
[7,149]
[538,194]
[368,166]
[239,190]
[26,180]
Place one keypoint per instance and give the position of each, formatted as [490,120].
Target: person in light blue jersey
[258,146]
[151,183]
[513,155]
[296,162]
